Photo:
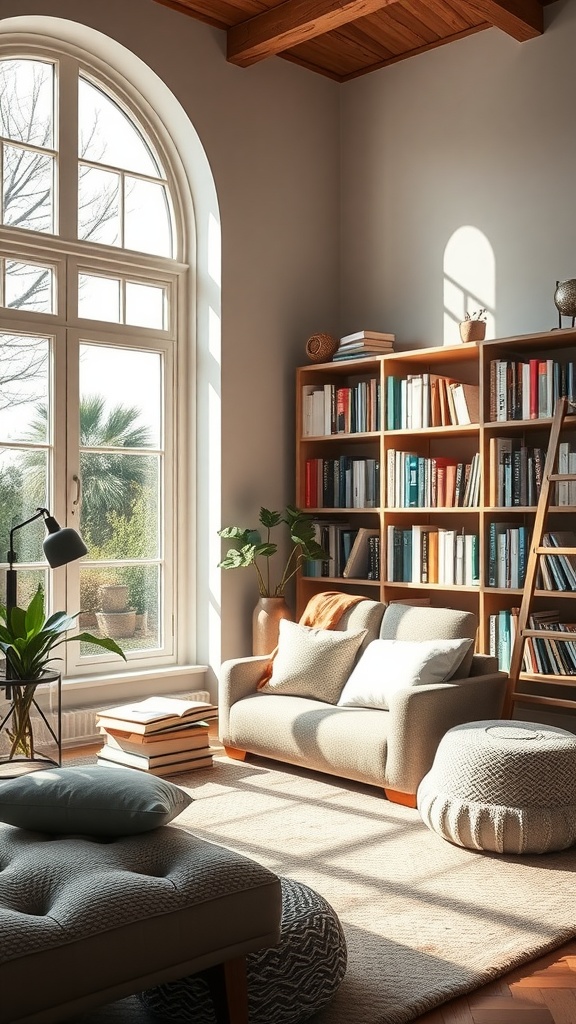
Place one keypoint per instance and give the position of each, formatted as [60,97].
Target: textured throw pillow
[313,662]
[390,665]
[91,800]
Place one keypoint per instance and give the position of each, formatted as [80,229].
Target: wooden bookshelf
[467,363]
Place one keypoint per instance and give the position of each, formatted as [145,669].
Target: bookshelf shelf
[469,365]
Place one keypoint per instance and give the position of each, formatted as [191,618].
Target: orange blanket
[323,611]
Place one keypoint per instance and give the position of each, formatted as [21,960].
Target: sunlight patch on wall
[469,281]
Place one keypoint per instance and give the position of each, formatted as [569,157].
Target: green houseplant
[28,640]
[251,549]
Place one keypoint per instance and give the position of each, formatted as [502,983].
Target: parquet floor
[542,992]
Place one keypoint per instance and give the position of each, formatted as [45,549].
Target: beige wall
[480,133]
[271,137]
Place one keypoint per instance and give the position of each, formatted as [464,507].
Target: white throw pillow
[313,662]
[390,665]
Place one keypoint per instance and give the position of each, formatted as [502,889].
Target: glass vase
[30,724]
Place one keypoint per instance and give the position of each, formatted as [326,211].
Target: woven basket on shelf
[321,347]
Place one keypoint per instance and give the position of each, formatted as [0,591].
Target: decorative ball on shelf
[565,300]
[321,347]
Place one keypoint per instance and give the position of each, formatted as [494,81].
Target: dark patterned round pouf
[287,983]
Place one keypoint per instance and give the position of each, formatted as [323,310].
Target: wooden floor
[541,992]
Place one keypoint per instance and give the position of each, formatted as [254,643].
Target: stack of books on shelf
[414,481]
[529,389]
[332,409]
[432,554]
[557,572]
[516,473]
[548,656]
[507,554]
[344,482]
[159,735]
[363,344]
[419,401]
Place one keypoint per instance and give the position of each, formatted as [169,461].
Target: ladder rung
[555,551]
[562,476]
[529,698]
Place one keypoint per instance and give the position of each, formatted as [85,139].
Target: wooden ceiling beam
[521,19]
[291,23]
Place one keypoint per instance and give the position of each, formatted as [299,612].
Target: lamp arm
[11,554]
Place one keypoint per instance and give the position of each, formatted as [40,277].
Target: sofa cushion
[312,662]
[391,665]
[405,622]
[90,800]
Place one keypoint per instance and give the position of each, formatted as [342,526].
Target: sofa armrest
[420,715]
[483,665]
[239,678]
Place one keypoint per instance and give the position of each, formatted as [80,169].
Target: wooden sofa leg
[228,985]
[395,797]
[235,754]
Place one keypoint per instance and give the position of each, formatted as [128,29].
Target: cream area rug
[424,920]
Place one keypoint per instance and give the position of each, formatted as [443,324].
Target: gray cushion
[90,800]
[405,622]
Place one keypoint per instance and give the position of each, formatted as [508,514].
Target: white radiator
[79,724]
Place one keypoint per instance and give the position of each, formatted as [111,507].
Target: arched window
[91,273]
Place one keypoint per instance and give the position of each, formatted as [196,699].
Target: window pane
[24,388]
[23,489]
[120,397]
[145,305]
[98,206]
[99,298]
[108,136]
[27,583]
[147,218]
[135,592]
[28,286]
[120,504]
[27,102]
[28,189]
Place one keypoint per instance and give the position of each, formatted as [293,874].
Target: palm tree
[111,479]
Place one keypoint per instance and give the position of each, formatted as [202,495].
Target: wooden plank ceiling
[346,38]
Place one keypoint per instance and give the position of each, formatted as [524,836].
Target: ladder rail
[543,505]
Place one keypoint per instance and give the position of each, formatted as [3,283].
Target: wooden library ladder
[549,477]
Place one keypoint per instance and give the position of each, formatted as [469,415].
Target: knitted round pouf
[509,787]
[286,983]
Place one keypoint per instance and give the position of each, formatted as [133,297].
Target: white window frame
[67,254]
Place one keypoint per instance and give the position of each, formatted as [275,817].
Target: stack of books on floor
[363,344]
[159,735]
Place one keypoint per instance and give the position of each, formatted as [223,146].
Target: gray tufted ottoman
[504,786]
[85,921]
[286,984]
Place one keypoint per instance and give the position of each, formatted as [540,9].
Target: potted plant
[251,549]
[473,326]
[28,640]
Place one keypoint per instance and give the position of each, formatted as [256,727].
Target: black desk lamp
[62,545]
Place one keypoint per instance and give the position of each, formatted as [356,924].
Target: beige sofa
[391,748]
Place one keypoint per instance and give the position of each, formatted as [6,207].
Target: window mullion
[67,129]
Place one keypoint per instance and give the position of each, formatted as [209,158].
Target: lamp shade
[62,545]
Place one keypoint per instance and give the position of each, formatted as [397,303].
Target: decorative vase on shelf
[473,330]
[266,623]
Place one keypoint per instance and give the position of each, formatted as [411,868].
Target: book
[358,562]
[161,770]
[466,399]
[180,739]
[349,339]
[155,714]
[146,762]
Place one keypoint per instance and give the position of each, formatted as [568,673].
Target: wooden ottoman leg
[408,799]
[228,986]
